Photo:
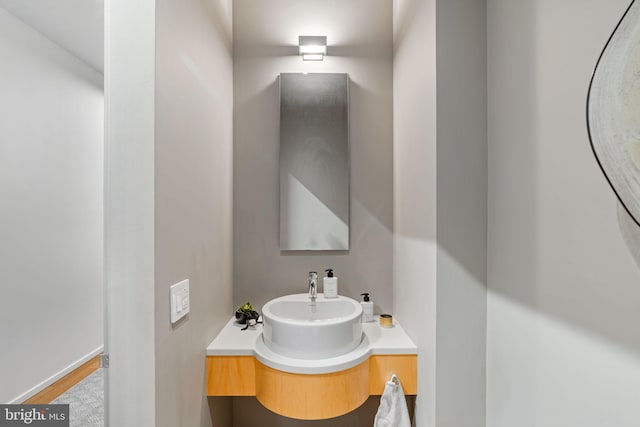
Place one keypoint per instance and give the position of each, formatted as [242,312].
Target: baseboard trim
[82,366]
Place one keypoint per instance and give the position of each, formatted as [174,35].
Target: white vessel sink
[298,328]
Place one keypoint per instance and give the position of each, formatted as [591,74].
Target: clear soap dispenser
[367,308]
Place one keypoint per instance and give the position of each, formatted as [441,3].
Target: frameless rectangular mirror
[314,162]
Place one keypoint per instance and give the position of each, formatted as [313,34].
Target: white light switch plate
[179,295]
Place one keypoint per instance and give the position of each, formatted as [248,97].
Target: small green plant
[246,312]
[245,308]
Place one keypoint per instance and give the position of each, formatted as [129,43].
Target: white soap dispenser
[367,308]
[330,285]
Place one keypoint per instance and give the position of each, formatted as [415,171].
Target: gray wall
[169,192]
[461,212]
[440,207]
[193,198]
[563,343]
[265,44]
[51,220]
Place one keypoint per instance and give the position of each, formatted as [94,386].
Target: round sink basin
[296,327]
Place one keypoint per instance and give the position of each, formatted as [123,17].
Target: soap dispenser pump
[367,308]
[330,284]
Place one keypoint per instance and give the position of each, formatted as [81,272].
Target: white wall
[414,186]
[129,212]
[51,165]
[193,198]
[359,35]
[440,203]
[563,341]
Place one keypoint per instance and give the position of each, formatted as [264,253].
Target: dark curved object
[613,111]
[243,317]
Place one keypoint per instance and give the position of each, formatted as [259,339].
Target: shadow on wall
[248,412]
[405,14]
[219,12]
[554,245]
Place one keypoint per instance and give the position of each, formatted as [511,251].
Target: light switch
[179,297]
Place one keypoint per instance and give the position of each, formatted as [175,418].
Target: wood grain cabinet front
[309,396]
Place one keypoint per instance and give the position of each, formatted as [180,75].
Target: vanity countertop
[232,341]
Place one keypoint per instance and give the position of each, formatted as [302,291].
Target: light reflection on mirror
[314,161]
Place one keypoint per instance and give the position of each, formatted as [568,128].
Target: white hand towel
[392,411]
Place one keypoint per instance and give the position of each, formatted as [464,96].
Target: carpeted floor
[86,401]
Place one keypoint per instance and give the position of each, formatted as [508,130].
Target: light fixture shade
[312,48]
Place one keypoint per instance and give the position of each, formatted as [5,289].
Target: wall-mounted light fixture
[312,48]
